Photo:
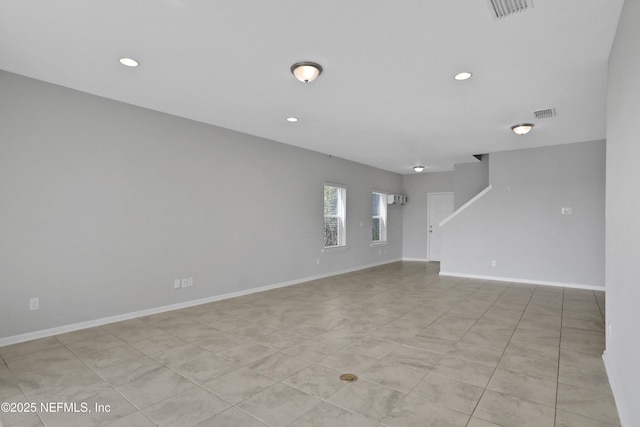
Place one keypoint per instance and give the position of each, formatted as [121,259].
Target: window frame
[342,218]
[383,218]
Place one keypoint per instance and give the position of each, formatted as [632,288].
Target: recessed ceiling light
[129,62]
[292,119]
[418,168]
[522,129]
[463,76]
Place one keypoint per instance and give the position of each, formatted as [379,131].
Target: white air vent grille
[545,114]
[503,8]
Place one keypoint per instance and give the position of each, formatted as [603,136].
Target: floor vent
[545,114]
[503,8]
[349,378]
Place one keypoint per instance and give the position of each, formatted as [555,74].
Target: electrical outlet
[189,281]
[493,263]
[184,283]
[565,211]
[34,303]
[176,284]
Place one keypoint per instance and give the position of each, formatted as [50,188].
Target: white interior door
[440,206]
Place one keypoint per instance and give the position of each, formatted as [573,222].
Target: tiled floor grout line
[602,309]
[492,304]
[555,414]
[165,365]
[380,423]
[104,379]
[503,352]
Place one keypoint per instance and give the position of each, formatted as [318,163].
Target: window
[335,203]
[379,217]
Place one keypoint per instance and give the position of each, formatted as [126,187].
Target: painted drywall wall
[623,217]
[519,222]
[469,179]
[415,231]
[104,204]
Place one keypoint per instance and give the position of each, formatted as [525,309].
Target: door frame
[437,193]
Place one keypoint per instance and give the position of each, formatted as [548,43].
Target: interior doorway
[439,207]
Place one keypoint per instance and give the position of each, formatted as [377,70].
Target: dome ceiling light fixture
[306,71]
[292,119]
[418,168]
[522,129]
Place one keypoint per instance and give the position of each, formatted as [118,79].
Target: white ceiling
[387,96]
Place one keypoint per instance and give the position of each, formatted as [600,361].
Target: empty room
[359,214]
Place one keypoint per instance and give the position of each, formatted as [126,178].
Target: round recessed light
[129,62]
[418,168]
[522,129]
[292,119]
[463,76]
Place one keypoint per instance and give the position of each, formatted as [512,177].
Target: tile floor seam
[430,370]
[555,415]
[503,353]
[333,404]
[265,422]
[141,409]
[326,400]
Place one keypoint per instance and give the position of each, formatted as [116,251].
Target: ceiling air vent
[545,114]
[504,8]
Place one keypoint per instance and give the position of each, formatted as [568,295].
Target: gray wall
[103,205]
[623,217]
[414,214]
[469,179]
[519,222]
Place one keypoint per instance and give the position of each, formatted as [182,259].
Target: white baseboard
[527,281]
[614,382]
[126,316]
[415,259]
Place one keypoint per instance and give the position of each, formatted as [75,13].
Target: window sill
[378,244]
[335,249]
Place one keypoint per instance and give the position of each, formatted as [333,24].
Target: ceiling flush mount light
[292,119]
[306,72]
[129,62]
[465,75]
[522,129]
[418,168]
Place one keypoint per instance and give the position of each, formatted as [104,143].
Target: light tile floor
[428,350]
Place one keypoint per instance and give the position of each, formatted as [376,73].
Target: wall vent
[545,114]
[503,8]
